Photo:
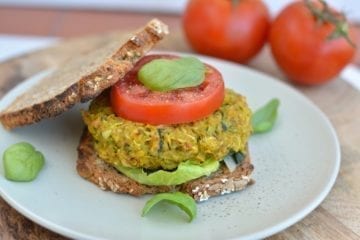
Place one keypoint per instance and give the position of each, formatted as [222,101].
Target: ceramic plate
[296,165]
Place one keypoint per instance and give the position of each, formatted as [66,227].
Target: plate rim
[280,226]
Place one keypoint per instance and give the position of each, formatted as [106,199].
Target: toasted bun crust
[82,78]
[95,170]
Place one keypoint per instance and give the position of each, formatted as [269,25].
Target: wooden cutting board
[338,217]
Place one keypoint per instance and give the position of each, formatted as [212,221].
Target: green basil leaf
[170,74]
[264,118]
[22,162]
[182,200]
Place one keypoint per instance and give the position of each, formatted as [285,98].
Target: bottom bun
[97,171]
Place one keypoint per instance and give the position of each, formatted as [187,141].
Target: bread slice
[95,170]
[82,78]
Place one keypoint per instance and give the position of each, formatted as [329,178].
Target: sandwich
[141,141]
[156,123]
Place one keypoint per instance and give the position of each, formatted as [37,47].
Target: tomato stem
[326,15]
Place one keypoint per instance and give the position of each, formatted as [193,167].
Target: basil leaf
[264,118]
[22,162]
[170,74]
[182,200]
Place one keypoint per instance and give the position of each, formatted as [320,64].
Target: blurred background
[27,25]
[65,18]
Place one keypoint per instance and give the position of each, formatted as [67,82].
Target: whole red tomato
[234,30]
[301,46]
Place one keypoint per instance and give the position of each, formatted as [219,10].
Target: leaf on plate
[264,118]
[182,200]
[22,162]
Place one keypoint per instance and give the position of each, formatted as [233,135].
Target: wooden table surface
[338,217]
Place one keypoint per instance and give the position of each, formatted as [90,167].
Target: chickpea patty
[153,147]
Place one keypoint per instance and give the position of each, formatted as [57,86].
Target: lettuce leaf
[185,172]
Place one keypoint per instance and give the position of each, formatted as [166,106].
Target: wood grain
[336,218]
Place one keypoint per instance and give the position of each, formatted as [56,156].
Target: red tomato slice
[131,100]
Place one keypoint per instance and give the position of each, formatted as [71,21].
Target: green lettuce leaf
[185,172]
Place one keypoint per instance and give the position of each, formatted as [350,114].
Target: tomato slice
[131,100]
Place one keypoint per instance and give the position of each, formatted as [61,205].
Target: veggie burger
[149,135]
[157,123]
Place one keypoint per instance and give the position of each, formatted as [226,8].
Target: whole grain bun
[82,78]
[95,170]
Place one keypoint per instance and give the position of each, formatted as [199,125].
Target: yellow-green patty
[141,145]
